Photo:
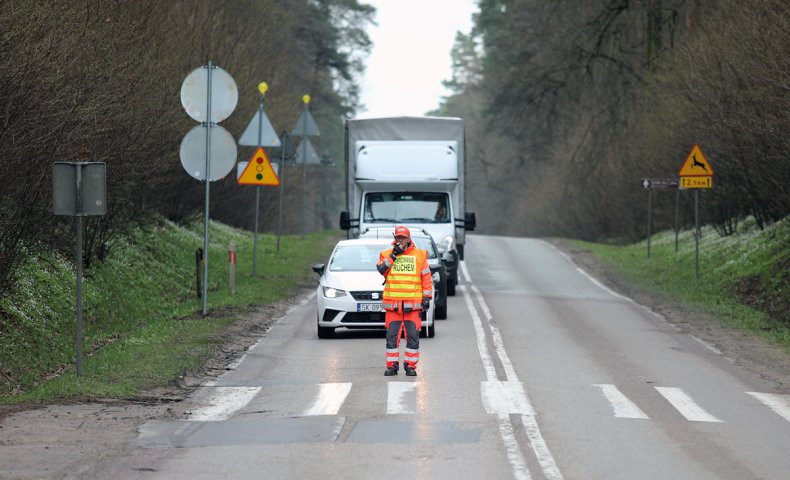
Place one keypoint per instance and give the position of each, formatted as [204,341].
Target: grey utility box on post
[79,189]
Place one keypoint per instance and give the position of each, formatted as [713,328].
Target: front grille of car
[363,317]
[367,295]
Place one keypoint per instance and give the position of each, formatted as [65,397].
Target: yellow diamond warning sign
[696,165]
[259,171]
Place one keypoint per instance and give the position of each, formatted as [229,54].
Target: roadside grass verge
[142,318]
[744,278]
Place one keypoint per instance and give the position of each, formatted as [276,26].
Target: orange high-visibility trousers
[403,324]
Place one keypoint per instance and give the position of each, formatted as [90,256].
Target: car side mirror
[447,257]
[345,220]
[319,269]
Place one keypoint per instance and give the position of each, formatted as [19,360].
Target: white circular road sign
[224,94]
[193,152]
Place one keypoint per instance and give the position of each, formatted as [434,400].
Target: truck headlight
[330,292]
[447,244]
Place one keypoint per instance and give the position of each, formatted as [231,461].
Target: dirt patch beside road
[744,349]
[93,438]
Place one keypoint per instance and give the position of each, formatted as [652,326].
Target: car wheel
[325,332]
[451,287]
[441,312]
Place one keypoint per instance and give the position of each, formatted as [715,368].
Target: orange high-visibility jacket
[407,279]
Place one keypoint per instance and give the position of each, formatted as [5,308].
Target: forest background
[568,105]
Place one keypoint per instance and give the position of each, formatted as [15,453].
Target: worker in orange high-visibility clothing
[408,288]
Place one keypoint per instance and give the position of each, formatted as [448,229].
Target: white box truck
[409,171]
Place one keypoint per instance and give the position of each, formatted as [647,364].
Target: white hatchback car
[350,289]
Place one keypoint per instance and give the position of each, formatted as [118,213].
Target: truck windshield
[421,207]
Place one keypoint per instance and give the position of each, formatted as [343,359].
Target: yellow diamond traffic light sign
[259,171]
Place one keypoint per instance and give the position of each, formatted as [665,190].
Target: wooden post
[232,269]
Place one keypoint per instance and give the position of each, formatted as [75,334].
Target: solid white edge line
[777,402]
[396,393]
[686,405]
[224,403]
[644,307]
[622,406]
[330,398]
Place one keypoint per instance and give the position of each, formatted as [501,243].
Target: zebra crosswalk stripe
[776,402]
[622,406]
[686,405]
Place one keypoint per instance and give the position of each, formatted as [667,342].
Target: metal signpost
[650,184]
[208,95]
[286,153]
[305,126]
[696,173]
[260,128]
[79,190]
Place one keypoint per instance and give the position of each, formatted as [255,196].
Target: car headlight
[447,244]
[330,292]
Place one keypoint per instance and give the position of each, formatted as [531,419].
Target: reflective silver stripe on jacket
[427,270]
[426,293]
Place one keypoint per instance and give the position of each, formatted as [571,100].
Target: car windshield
[425,243]
[355,258]
[392,207]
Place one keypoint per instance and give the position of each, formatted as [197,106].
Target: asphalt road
[538,372]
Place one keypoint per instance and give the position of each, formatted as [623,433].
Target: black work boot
[410,371]
[390,371]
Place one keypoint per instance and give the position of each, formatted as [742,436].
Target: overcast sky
[411,54]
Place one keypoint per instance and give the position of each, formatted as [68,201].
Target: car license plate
[369,307]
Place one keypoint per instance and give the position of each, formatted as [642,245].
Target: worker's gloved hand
[426,303]
[396,249]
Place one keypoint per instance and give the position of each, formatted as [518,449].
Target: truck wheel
[441,312]
[451,287]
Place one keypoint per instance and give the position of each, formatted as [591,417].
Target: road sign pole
[284,144]
[677,218]
[257,194]
[649,218]
[697,233]
[78,226]
[208,183]
[304,165]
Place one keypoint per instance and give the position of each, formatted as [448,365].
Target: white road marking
[504,398]
[686,405]
[776,402]
[538,444]
[223,403]
[514,455]
[465,272]
[536,440]
[482,347]
[330,398]
[590,277]
[396,397]
[707,345]
[622,406]
[341,422]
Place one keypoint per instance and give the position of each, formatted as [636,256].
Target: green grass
[744,278]
[142,319]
